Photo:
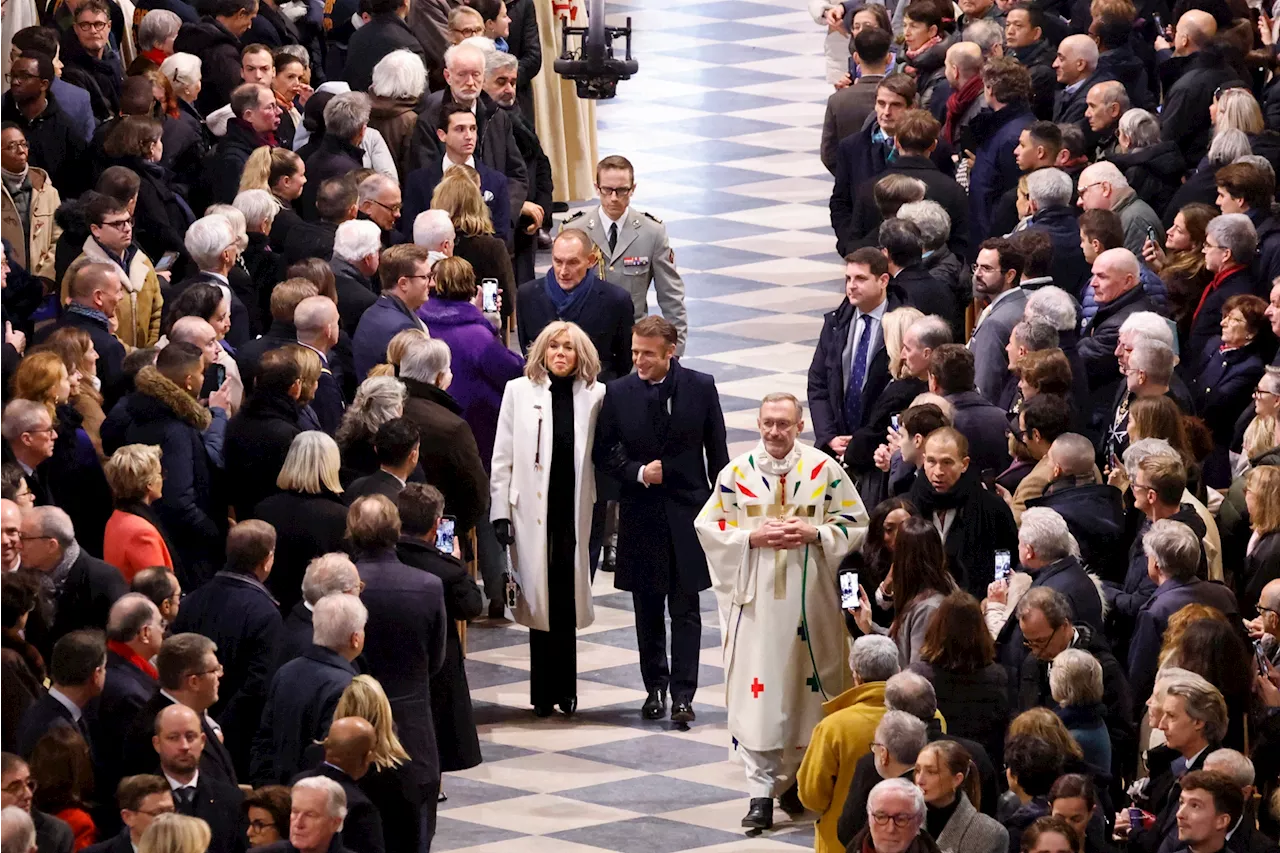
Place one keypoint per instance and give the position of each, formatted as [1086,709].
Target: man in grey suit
[997,276]
[634,250]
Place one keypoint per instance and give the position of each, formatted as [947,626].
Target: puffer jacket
[1152,285]
[1154,172]
[36,254]
[139,312]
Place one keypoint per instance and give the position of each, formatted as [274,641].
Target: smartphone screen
[214,376]
[893,421]
[444,534]
[166,261]
[1002,565]
[849,599]
[1260,658]
[989,478]
[489,287]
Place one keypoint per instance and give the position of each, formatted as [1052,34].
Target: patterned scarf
[912,54]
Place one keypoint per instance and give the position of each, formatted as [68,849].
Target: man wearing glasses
[895,816]
[142,799]
[634,249]
[16,790]
[92,52]
[29,435]
[56,144]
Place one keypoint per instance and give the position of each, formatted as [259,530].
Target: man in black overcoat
[661,436]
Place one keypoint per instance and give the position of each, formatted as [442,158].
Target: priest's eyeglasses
[899,820]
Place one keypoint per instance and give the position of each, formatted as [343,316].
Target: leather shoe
[543,710]
[790,801]
[682,712]
[496,609]
[760,815]
[569,706]
[655,707]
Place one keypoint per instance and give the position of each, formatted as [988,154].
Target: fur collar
[151,383]
[134,279]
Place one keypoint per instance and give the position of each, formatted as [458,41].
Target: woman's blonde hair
[1264,483]
[1238,110]
[459,196]
[266,166]
[175,833]
[895,325]
[1260,435]
[365,698]
[588,366]
[455,279]
[396,348]
[37,379]
[312,465]
[131,470]
[1045,724]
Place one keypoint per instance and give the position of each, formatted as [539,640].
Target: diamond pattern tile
[723,123]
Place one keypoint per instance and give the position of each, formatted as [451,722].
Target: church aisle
[723,125]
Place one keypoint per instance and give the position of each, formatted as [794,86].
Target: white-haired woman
[308,513]
[183,71]
[378,400]
[1152,166]
[265,267]
[1075,683]
[542,453]
[399,79]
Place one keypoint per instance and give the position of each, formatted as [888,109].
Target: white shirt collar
[311,607]
[66,702]
[324,358]
[393,474]
[446,164]
[604,218]
[877,313]
[174,784]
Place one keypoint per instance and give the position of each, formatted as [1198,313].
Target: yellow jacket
[837,743]
[138,312]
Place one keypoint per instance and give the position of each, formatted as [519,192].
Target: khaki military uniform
[642,255]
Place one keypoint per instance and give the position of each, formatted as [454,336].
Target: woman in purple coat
[482,366]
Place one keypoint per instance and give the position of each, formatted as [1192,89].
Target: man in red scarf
[135,633]
[1230,244]
[964,73]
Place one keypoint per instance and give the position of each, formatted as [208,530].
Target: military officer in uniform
[634,250]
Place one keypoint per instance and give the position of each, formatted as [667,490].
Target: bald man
[179,740]
[220,370]
[963,63]
[317,322]
[1185,116]
[1266,628]
[1118,294]
[348,752]
[1077,68]
[95,292]
[135,633]
[1104,104]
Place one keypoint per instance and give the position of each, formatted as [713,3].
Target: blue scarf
[87,311]
[569,303]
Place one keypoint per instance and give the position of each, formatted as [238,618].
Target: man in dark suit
[396,444]
[572,291]
[1173,558]
[848,108]
[404,641]
[87,586]
[850,365]
[238,613]
[77,670]
[16,789]
[900,241]
[326,574]
[135,633]
[1077,67]
[384,32]
[179,741]
[405,274]
[216,258]
[661,436]
[335,202]
[28,440]
[189,674]
[318,323]
[456,130]
[305,690]
[951,374]
[141,800]
[348,752]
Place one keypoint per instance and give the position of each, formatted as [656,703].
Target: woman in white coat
[543,489]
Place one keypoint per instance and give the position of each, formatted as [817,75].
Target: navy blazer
[218,804]
[380,323]
[41,716]
[827,382]
[126,691]
[421,183]
[606,317]
[1148,631]
[297,713]
[295,637]
[239,614]
[656,521]
[362,830]
[405,647]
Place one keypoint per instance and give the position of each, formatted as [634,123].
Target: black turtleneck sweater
[937,817]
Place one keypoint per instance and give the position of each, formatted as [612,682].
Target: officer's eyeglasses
[616,192]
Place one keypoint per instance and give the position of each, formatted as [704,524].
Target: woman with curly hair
[378,400]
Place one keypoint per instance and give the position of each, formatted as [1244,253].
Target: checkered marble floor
[723,124]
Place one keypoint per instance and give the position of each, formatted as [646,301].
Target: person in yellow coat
[845,735]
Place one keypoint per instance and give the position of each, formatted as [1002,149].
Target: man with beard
[501,84]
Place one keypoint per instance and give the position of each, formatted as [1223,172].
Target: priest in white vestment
[778,522]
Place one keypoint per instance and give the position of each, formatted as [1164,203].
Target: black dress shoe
[682,712]
[543,710]
[655,707]
[760,815]
[790,801]
[569,706]
[496,609]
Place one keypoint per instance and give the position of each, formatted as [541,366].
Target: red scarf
[268,138]
[132,657]
[960,100]
[156,55]
[1214,285]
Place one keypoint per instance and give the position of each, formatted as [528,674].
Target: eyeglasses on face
[92,26]
[899,820]
[615,192]
[17,145]
[17,786]
[119,224]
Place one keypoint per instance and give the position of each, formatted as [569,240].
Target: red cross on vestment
[756,688]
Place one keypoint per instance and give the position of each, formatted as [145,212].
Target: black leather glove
[502,532]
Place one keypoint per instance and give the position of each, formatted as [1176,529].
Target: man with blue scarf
[94,294]
[574,292]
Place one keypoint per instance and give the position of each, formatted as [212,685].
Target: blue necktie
[853,393]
